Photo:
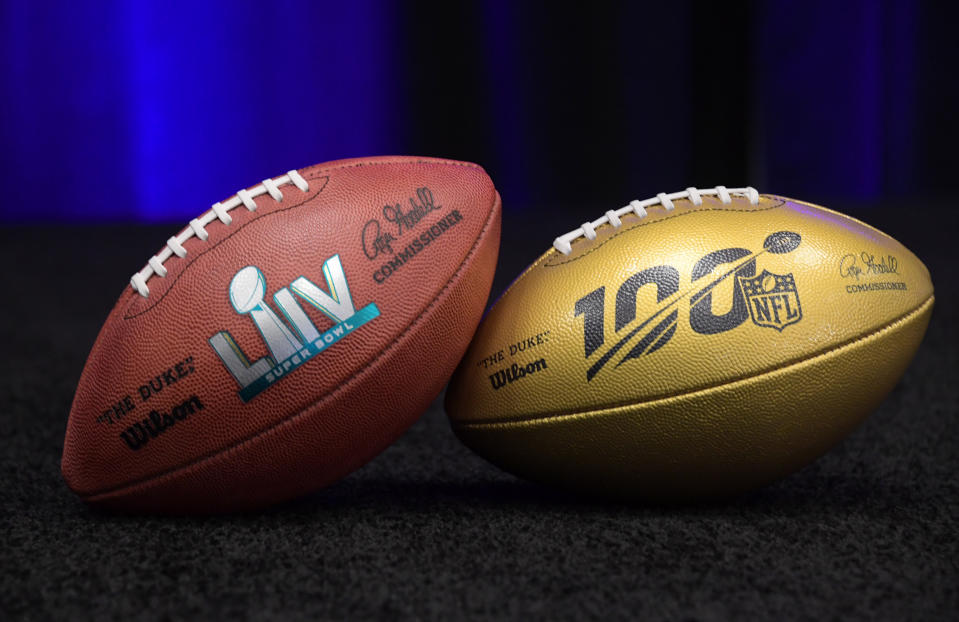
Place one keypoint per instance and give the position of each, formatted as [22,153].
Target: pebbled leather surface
[668,404]
[339,408]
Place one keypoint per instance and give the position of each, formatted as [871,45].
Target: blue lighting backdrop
[150,111]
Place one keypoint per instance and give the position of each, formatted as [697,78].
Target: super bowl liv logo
[288,348]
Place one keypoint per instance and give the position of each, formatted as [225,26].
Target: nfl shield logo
[772,298]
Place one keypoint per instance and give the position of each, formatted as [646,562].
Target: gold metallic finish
[835,315]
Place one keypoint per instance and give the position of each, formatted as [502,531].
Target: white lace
[588,229]
[197,226]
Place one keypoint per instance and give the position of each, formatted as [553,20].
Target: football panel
[168,354]
[346,428]
[682,300]
[722,440]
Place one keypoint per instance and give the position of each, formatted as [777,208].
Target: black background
[429,530]
[626,100]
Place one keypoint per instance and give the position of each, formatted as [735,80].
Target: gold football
[699,343]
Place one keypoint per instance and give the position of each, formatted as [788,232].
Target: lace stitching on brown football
[197,226]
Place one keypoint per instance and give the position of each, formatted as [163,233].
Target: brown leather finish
[424,258]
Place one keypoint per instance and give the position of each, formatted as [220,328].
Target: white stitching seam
[588,229]
[197,226]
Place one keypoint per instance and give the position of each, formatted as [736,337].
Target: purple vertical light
[507,100]
[821,93]
[63,123]
[232,95]
[900,82]
[153,111]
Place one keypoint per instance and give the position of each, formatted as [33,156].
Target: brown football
[285,337]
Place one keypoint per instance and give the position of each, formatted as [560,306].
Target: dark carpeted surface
[429,530]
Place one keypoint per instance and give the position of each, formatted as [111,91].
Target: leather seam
[236,230]
[644,223]
[545,257]
[402,161]
[289,420]
[548,417]
[314,175]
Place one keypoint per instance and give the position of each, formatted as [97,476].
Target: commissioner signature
[378,238]
[852,266]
